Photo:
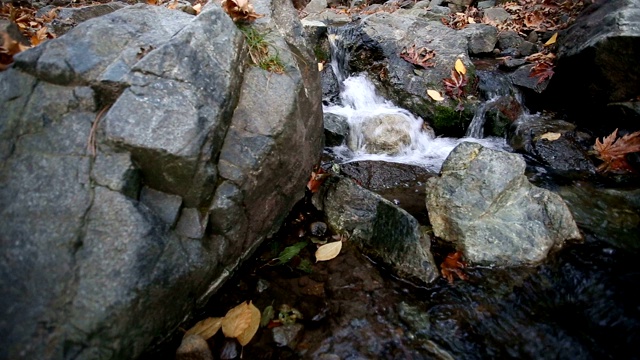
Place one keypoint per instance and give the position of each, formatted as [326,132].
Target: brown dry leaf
[613,151]
[251,330]
[40,36]
[435,95]
[317,178]
[240,10]
[237,320]
[551,136]
[205,328]
[328,251]
[10,46]
[152,2]
[421,57]
[453,265]
[460,67]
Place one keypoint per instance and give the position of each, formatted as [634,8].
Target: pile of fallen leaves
[613,151]
[239,323]
[32,30]
[421,57]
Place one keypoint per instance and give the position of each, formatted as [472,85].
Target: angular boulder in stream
[197,160]
[484,204]
[379,228]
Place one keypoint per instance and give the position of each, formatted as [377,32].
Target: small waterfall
[378,129]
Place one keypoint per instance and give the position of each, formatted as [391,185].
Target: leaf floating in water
[241,322]
[289,252]
[205,328]
[612,151]
[551,136]
[435,95]
[460,67]
[251,330]
[328,251]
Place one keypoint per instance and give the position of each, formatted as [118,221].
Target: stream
[581,303]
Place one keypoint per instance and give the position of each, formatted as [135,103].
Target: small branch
[91,141]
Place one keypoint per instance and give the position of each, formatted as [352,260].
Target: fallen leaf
[421,57]
[251,330]
[316,180]
[240,10]
[460,67]
[552,40]
[267,315]
[320,66]
[551,136]
[435,95]
[328,251]
[205,328]
[453,265]
[612,151]
[543,70]
[238,320]
[197,8]
[289,252]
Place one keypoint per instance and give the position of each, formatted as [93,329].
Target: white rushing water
[362,104]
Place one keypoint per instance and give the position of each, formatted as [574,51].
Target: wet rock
[604,42]
[485,205]
[564,153]
[521,78]
[509,40]
[384,134]
[381,229]
[613,215]
[318,228]
[375,44]
[336,129]
[194,347]
[287,335]
[229,350]
[330,86]
[501,114]
[401,184]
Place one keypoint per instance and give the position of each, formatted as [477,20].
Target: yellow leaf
[197,8]
[551,136]
[205,328]
[320,66]
[328,251]
[435,95]
[237,320]
[552,40]
[460,67]
[250,331]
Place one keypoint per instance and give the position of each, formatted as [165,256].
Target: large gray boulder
[379,228]
[483,203]
[198,159]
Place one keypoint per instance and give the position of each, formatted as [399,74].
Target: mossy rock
[449,122]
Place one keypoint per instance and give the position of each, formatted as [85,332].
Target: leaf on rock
[240,10]
[267,315]
[551,40]
[435,95]
[238,320]
[421,57]
[328,251]
[197,8]
[316,180]
[551,136]
[453,265]
[543,70]
[205,328]
[460,67]
[612,151]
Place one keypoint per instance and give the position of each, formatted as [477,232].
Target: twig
[91,141]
